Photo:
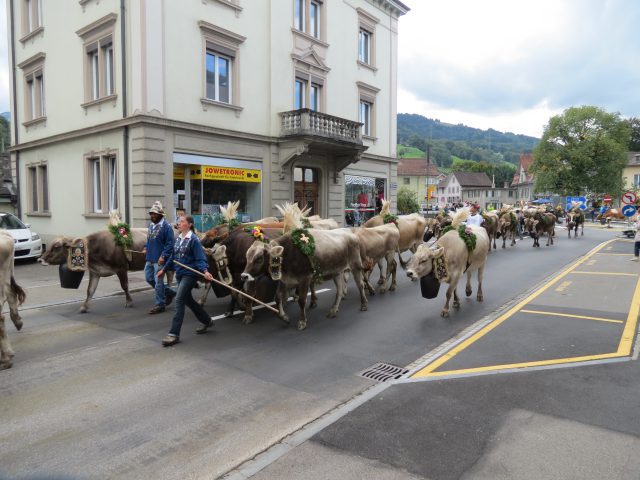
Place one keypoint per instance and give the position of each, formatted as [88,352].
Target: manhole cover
[381,372]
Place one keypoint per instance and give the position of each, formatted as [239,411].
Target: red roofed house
[417,174]
[523,180]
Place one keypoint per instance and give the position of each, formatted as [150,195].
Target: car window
[10,222]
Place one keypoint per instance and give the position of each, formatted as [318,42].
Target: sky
[511,65]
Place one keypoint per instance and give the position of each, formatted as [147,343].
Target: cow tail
[18,291]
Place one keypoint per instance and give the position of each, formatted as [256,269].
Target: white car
[27,243]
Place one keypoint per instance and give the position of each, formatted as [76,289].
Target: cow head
[57,252]
[263,258]
[571,220]
[421,263]
[219,263]
[215,235]
[431,229]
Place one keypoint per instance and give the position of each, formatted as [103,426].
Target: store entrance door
[306,189]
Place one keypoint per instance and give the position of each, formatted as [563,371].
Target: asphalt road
[96,396]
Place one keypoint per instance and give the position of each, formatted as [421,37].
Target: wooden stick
[229,287]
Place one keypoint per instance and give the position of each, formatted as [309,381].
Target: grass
[409,152]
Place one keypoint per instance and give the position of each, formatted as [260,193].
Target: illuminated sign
[229,174]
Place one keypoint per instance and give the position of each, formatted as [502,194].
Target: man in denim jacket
[158,249]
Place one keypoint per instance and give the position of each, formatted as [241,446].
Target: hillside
[448,140]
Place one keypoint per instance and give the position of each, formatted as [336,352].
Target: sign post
[606,199]
[581,200]
[628,210]
[629,198]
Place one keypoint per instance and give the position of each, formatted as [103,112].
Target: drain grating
[381,372]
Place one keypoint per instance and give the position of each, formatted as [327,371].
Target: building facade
[523,180]
[631,172]
[117,104]
[420,176]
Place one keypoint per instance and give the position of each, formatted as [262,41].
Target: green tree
[634,143]
[407,202]
[5,134]
[582,150]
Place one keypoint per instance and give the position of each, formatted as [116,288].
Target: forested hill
[462,141]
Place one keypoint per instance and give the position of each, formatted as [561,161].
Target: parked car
[27,243]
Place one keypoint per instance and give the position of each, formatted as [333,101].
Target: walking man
[636,245]
[158,249]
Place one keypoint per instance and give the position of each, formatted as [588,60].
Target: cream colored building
[631,172]
[117,104]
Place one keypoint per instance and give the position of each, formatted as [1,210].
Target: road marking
[624,274]
[626,341]
[428,370]
[219,317]
[554,314]
[563,285]
[609,248]
[608,253]
[591,263]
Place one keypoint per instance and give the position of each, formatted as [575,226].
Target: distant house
[631,173]
[475,188]
[420,176]
[523,180]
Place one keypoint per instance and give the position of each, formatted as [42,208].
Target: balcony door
[306,188]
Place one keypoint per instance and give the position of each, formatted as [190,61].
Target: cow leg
[513,237]
[450,290]
[480,296]
[366,274]
[249,288]
[124,284]
[403,264]
[468,290]
[383,278]
[203,299]
[281,301]
[504,241]
[6,352]
[12,300]
[314,295]
[582,229]
[456,299]
[339,282]
[303,288]
[357,277]
[392,271]
[94,279]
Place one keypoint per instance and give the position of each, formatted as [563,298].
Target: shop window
[306,188]
[102,184]
[363,198]
[38,188]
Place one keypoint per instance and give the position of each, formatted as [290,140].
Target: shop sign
[229,174]
[178,173]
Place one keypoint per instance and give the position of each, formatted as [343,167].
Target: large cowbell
[429,286]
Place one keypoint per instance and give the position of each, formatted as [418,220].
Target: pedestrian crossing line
[554,314]
[623,274]
[624,347]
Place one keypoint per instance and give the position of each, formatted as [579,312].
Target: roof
[410,167]
[526,160]
[633,158]
[472,179]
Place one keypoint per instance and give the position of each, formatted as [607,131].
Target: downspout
[15,105]
[125,139]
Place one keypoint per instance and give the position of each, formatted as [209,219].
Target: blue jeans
[150,275]
[184,298]
[636,248]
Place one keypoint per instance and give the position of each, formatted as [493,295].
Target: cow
[575,219]
[610,214]
[541,223]
[449,258]
[377,243]
[490,224]
[11,293]
[105,258]
[507,225]
[335,252]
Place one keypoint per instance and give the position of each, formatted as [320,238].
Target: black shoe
[170,340]
[203,328]
[156,309]
[168,298]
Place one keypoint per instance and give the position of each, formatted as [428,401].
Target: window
[38,188]
[218,77]
[102,184]
[307,92]
[221,51]
[307,17]
[300,88]
[366,114]
[510,193]
[406,180]
[99,63]
[34,94]
[636,180]
[366,38]
[31,16]
[314,100]
[365,117]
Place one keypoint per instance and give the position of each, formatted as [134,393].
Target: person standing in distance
[187,250]
[158,250]
[475,218]
[636,245]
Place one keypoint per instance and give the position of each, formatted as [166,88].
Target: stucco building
[117,104]
[631,172]
[420,176]
[523,179]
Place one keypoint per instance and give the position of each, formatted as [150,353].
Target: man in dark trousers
[158,249]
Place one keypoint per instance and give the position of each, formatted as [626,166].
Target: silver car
[27,243]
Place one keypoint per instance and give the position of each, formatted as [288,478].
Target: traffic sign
[606,199]
[628,210]
[629,198]
[581,200]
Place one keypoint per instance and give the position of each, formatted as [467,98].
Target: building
[523,180]
[420,176]
[631,172]
[463,186]
[117,104]
[7,189]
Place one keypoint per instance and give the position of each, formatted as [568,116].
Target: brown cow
[377,243]
[575,219]
[105,259]
[507,225]
[490,224]
[11,293]
[541,223]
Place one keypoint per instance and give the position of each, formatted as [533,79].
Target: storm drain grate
[381,372]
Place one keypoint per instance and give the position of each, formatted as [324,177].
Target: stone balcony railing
[309,122]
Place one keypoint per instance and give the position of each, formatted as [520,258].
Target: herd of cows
[274,257]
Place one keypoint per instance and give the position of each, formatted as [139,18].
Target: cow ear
[277,250]
[66,242]
[220,249]
[272,244]
[437,252]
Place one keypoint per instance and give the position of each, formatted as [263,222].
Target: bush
[407,202]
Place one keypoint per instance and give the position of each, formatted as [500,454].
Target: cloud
[496,57]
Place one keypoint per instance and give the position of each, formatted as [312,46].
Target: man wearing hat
[158,249]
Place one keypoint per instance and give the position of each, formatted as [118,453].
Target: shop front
[363,198]
[202,184]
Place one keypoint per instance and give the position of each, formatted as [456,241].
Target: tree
[634,143]
[5,134]
[407,202]
[582,150]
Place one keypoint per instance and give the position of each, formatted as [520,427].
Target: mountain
[6,115]
[469,143]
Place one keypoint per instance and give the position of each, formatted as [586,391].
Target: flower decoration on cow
[122,235]
[257,233]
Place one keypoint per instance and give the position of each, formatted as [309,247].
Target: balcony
[305,122]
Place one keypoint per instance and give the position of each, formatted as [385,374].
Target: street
[96,396]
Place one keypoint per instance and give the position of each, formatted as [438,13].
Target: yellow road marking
[608,253]
[553,314]
[608,248]
[591,262]
[607,273]
[429,369]
[563,285]
[626,342]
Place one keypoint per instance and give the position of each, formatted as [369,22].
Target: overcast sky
[512,64]
[505,64]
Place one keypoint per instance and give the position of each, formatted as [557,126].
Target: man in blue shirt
[158,249]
